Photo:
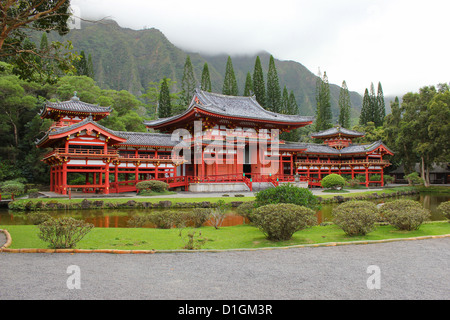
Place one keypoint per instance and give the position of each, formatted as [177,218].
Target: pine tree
[323,112]
[259,85]
[285,102]
[344,106]
[82,65]
[365,110]
[90,67]
[248,90]
[188,83]
[273,88]
[206,79]
[164,104]
[381,111]
[373,109]
[292,104]
[44,42]
[230,87]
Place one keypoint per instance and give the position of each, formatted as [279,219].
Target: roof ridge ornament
[75,98]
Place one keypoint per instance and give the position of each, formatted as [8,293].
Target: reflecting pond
[119,218]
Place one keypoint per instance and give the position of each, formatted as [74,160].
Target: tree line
[269,96]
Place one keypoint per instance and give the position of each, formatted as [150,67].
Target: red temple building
[220,143]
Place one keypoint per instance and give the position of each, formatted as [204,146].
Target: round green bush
[246,210]
[63,233]
[356,217]
[13,186]
[404,214]
[333,181]
[287,193]
[444,208]
[280,221]
[153,185]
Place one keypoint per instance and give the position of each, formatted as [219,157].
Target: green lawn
[237,237]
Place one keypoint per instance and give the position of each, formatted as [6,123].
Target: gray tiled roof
[313,148]
[56,131]
[147,139]
[337,130]
[75,105]
[234,106]
[133,138]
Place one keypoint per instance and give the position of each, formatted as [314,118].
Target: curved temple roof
[73,106]
[337,131]
[234,107]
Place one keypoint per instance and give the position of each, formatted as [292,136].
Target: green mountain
[126,59]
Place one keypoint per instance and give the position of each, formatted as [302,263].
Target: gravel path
[408,270]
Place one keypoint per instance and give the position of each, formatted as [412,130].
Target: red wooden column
[51,178]
[367,175]
[367,171]
[116,176]
[107,178]
[64,178]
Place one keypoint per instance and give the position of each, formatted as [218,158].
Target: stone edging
[327,244]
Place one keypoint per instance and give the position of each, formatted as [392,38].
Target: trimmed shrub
[287,193]
[167,219]
[444,208]
[198,216]
[280,221]
[388,179]
[13,186]
[353,183]
[356,217]
[153,185]
[138,221]
[405,214]
[38,217]
[63,233]
[246,210]
[333,181]
[413,179]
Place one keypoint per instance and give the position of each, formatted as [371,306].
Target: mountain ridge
[128,59]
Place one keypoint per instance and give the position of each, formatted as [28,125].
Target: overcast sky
[404,44]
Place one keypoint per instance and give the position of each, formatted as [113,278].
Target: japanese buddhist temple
[219,143]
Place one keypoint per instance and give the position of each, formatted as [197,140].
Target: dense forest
[417,129]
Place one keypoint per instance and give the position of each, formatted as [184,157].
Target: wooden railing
[76,152]
[337,162]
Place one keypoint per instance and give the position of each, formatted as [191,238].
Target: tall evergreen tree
[381,111]
[365,115]
[292,104]
[344,106]
[373,109]
[259,86]
[248,90]
[82,65]
[206,79]
[164,104]
[324,115]
[90,67]
[230,87]
[285,102]
[44,42]
[273,88]
[188,83]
